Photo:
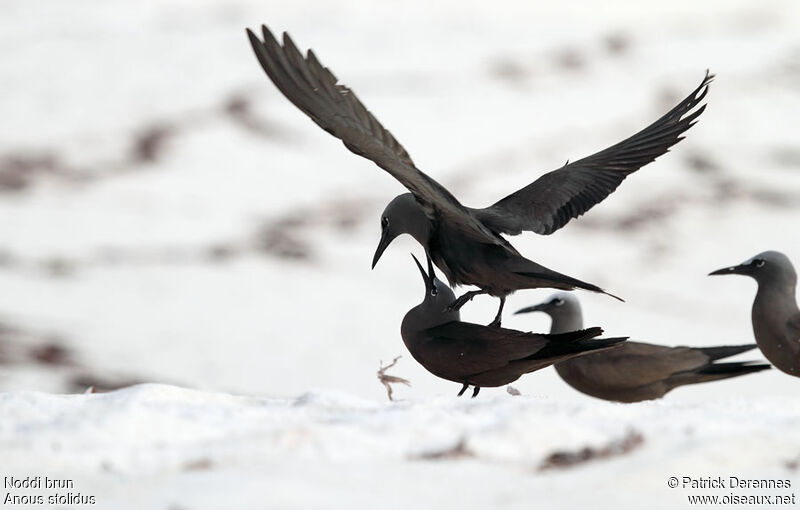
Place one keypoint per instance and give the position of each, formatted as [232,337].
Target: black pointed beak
[385,241]
[740,269]
[431,272]
[535,308]
[425,276]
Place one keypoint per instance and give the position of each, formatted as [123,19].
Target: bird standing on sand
[477,355]
[466,243]
[776,319]
[637,371]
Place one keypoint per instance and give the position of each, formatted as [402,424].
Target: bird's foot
[462,300]
[463,389]
[458,303]
[475,391]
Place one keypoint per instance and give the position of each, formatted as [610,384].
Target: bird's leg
[475,391]
[496,322]
[463,389]
[463,299]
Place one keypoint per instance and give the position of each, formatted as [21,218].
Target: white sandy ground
[157,446]
[485,96]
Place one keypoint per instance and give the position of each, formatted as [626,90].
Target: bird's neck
[776,298]
[566,321]
[421,231]
[426,316]
[774,304]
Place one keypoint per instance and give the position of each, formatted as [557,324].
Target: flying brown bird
[466,243]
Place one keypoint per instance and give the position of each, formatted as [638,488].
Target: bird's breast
[467,262]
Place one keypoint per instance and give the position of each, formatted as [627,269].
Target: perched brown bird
[637,371]
[477,355]
[776,319]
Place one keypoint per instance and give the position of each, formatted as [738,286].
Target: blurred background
[168,216]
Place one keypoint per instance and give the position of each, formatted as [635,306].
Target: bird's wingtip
[252,36]
[707,79]
[265,31]
[617,340]
[593,331]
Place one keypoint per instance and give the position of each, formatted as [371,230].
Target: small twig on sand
[388,380]
[513,391]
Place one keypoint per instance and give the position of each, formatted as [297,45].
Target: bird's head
[403,215]
[432,311]
[769,266]
[559,305]
[437,293]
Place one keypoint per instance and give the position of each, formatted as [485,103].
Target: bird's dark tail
[574,336]
[543,277]
[725,351]
[575,342]
[716,372]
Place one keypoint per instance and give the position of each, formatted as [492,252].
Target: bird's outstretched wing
[552,200]
[336,109]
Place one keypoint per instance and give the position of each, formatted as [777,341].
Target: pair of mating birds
[468,246]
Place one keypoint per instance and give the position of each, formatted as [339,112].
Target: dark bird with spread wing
[466,243]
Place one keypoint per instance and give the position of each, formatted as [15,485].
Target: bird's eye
[384,222]
[758,262]
[434,291]
[558,302]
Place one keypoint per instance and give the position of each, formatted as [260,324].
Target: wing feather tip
[268,37]
[287,40]
[255,42]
